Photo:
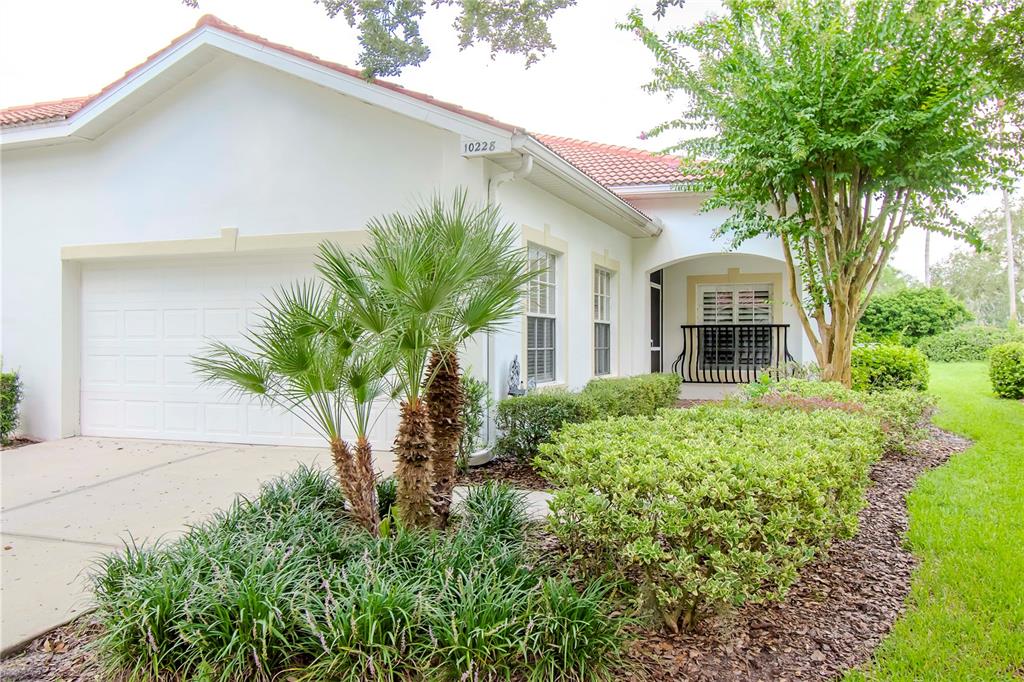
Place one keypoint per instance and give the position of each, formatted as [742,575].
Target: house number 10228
[477,147]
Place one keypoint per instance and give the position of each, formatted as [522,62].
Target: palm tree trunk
[444,400]
[354,485]
[367,479]
[412,447]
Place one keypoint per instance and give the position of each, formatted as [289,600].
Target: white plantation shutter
[753,306]
[718,305]
[736,304]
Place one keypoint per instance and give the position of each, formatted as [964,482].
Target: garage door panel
[143,323]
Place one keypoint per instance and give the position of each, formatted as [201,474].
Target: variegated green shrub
[901,413]
[712,506]
[643,394]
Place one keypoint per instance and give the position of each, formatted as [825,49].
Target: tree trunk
[357,485]
[367,478]
[444,400]
[413,445]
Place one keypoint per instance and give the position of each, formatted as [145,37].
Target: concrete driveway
[64,503]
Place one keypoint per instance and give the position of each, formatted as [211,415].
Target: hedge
[633,396]
[967,343]
[710,506]
[900,413]
[1006,370]
[525,422]
[10,398]
[881,367]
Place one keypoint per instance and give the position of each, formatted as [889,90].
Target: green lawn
[966,615]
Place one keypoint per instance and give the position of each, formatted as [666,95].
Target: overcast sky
[589,88]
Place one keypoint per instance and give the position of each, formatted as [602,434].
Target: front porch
[722,320]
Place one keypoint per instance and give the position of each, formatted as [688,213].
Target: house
[157,213]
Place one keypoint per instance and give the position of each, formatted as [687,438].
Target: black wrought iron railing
[731,353]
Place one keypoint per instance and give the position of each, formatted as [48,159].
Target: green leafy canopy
[834,125]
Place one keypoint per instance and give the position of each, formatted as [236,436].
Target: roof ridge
[214,22]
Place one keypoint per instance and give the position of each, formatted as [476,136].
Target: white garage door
[142,322]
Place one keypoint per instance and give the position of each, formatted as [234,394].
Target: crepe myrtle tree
[833,125]
[428,281]
[310,357]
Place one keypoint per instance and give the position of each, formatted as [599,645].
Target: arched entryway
[722,318]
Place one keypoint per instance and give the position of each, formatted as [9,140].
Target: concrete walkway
[64,503]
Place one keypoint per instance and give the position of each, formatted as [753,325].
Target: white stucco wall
[240,145]
[583,235]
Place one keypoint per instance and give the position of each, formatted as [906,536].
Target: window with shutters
[602,321]
[738,315]
[541,318]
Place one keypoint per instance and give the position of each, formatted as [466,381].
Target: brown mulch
[516,474]
[62,654]
[833,617]
[18,443]
[684,403]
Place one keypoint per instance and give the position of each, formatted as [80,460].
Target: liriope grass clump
[286,586]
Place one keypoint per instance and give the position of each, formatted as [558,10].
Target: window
[738,315]
[736,304]
[602,322]
[540,316]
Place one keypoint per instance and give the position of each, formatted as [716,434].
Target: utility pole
[1011,275]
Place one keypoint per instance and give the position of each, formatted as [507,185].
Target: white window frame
[603,318]
[542,303]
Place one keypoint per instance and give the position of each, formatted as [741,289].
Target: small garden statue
[515,385]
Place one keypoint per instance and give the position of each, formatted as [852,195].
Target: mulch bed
[831,621]
[684,403]
[834,617]
[62,654]
[516,474]
[18,443]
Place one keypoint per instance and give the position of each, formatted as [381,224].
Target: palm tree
[492,272]
[434,278]
[310,357]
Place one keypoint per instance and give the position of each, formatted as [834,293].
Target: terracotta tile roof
[612,165]
[41,111]
[54,111]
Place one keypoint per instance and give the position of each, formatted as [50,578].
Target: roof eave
[202,44]
[641,224]
[653,189]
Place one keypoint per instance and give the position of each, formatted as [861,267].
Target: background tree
[911,314]
[389,30]
[978,277]
[308,356]
[893,279]
[832,125]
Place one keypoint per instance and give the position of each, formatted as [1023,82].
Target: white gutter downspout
[525,168]
[495,181]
